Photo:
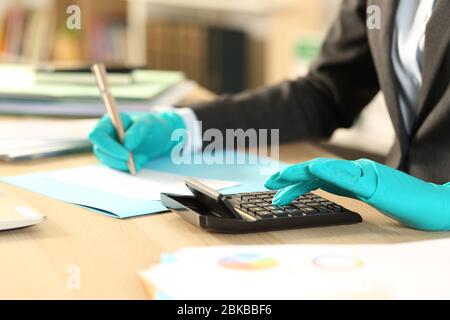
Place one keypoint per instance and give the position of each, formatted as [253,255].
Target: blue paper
[250,175]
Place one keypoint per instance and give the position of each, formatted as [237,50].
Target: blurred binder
[171,96]
[25,91]
[227,60]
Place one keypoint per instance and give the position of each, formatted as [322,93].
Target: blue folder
[251,176]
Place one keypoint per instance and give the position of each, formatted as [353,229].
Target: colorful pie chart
[248,261]
[337,262]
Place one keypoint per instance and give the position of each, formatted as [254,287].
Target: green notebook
[21,82]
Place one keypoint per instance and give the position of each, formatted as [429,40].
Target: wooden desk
[34,262]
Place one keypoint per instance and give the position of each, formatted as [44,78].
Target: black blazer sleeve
[340,83]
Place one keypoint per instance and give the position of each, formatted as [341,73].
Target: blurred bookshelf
[34,31]
[102,36]
[226,46]
[231,45]
[25,31]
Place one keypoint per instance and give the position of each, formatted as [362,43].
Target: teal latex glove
[413,202]
[147,136]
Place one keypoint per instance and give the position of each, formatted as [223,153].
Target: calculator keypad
[259,205]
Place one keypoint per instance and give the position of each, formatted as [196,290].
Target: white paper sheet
[412,270]
[146,185]
[46,130]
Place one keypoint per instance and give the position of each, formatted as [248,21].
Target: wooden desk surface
[35,262]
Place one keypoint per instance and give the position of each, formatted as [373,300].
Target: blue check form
[244,173]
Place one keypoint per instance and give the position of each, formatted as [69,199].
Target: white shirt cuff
[193,128]
[194,134]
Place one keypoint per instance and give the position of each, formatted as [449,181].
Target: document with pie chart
[301,272]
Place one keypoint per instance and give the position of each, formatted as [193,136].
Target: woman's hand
[413,202]
[147,136]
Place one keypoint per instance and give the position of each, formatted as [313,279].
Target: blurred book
[25,91]
[24,33]
[227,60]
[22,82]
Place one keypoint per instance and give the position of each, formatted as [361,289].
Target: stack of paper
[26,91]
[402,271]
[33,138]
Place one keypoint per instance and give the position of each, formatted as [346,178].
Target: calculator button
[295,212]
[309,210]
[323,209]
[248,205]
[270,207]
[279,212]
[300,205]
[246,194]
[315,204]
[264,214]
[336,208]
[263,195]
[258,201]
[256,209]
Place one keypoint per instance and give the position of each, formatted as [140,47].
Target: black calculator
[253,211]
